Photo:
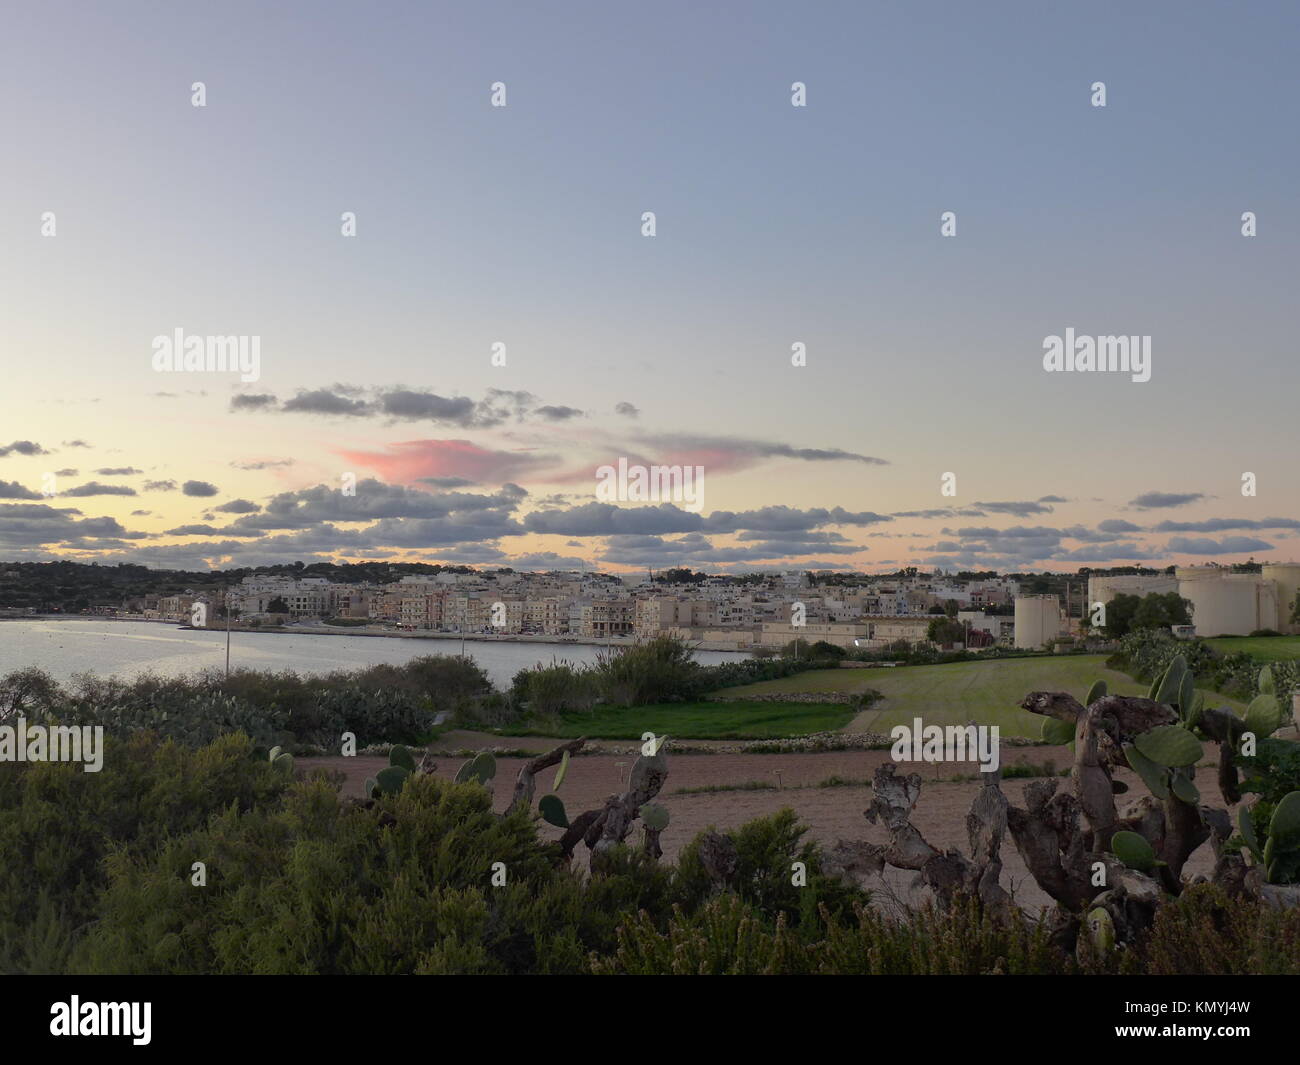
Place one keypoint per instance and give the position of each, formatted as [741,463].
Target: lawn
[1260,648]
[987,693]
[739,720]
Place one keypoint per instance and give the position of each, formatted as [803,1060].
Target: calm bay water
[128,648]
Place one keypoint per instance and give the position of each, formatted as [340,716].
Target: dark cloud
[238,506]
[24,525]
[557,414]
[323,401]
[252,401]
[1019,509]
[117,471]
[199,488]
[1156,500]
[94,488]
[160,486]
[448,482]
[22,447]
[426,406]
[627,410]
[1223,524]
[13,490]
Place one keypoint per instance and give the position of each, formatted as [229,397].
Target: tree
[1129,613]
[944,631]
[277,606]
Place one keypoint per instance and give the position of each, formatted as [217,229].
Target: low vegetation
[177,860]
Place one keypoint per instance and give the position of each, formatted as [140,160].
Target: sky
[127,213]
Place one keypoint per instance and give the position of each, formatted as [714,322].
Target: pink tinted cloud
[405,462]
[713,459]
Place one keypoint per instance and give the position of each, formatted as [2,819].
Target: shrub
[658,671]
[59,824]
[555,689]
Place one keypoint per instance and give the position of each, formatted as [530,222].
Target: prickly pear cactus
[1133,850]
[552,810]
[1155,777]
[1101,930]
[1169,745]
[654,816]
[482,767]
[391,779]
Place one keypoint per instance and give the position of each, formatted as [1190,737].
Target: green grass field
[1261,648]
[740,720]
[987,693]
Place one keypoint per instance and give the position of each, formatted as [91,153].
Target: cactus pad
[1170,745]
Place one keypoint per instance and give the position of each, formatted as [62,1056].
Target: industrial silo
[1286,575]
[1038,620]
[1226,603]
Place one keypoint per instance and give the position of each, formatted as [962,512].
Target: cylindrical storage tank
[1038,620]
[1287,577]
[1226,606]
[1104,588]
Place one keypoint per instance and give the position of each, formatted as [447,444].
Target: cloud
[376,500]
[238,506]
[117,471]
[606,519]
[400,404]
[22,447]
[627,410]
[33,525]
[323,401]
[547,560]
[1229,545]
[719,453]
[94,488]
[199,488]
[261,464]
[1222,524]
[1154,500]
[557,414]
[426,406]
[448,482]
[160,486]
[75,443]
[1020,510]
[252,401]
[13,490]
[409,461]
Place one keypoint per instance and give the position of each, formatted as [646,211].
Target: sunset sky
[776,225]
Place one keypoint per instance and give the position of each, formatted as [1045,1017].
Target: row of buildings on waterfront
[714,612]
[725,614]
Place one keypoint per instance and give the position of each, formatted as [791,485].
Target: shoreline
[349,630]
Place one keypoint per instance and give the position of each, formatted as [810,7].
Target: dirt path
[831,813]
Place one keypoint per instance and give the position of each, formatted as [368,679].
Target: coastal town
[728,613]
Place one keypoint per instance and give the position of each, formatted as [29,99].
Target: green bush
[59,824]
[548,691]
[661,670]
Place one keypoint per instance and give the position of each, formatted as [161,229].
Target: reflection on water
[128,648]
